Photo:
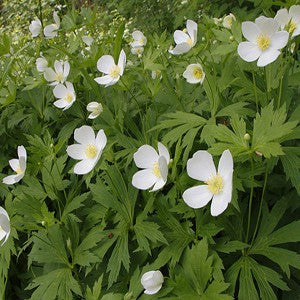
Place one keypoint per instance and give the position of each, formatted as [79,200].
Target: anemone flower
[152,282]
[218,185]
[88,150]
[113,72]
[65,94]
[59,74]
[18,166]
[4,225]
[289,19]
[154,165]
[35,27]
[139,40]
[50,31]
[41,64]
[264,41]
[194,73]
[185,39]
[95,109]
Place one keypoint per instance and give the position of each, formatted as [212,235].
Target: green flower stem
[41,14]
[255,91]
[260,205]
[250,200]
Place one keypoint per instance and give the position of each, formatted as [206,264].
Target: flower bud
[152,282]
[247,137]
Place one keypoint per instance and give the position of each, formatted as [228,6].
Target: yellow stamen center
[142,41]
[189,41]
[198,73]
[59,77]
[114,72]
[292,26]
[215,184]
[18,170]
[69,97]
[91,151]
[156,170]
[263,41]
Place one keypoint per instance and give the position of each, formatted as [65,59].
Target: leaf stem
[260,205]
[250,200]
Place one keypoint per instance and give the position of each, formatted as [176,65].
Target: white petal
[101,139]
[22,152]
[14,164]
[201,166]
[93,115]
[250,31]
[153,290]
[76,151]
[60,91]
[58,67]
[12,179]
[50,31]
[61,103]
[220,201]
[163,168]
[88,40]
[122,61]
[267,26]
[41,64]
[22,163]
[144,179]
[267,57]
[92,106]
[163,151]
[113,81]
[180,49]
[145,157]
[279,39]
[104,80]
[56,18]
[294,12]
[197,196]
[225,164]
[66,69]
[137,35]
[192,28]
[249,51]
[49,74]
[84,135]
[180,37]
[105,63]
[70,87]
[84,166]
[282,17]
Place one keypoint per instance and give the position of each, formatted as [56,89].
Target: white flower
[18,165]
[65,94]
[217,21]
[264,41]
[228,20]
[35,27]
[185,39]
[218,185]
[137,51]
[289,20]
[59,74]
[154,165]
[139,39]
[95,109]
[89,149]
[50,31]
[152,282]
[88,40]
[194,73]
[156,74]
[106,65]
[4,225]
[41,64]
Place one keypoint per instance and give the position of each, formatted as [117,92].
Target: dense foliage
[93,236]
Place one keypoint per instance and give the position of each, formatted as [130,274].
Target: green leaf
[55,284]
